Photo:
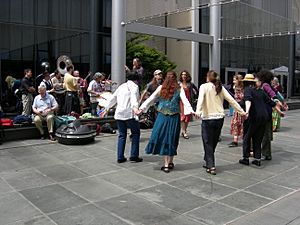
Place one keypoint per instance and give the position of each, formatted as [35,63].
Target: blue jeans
[135,131]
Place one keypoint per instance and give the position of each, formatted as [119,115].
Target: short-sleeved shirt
[43,103]
[70,82]
[96,87]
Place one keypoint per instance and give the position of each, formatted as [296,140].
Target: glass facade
[35,31]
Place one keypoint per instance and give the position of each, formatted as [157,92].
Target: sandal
[212,171]
[184,135]
[171,166]
[165,169]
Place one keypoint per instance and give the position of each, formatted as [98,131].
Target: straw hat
[249,77]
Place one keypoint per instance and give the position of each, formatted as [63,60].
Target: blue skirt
[165,135]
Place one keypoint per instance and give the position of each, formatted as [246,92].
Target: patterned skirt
[236,126]
[276,118]
[165,135]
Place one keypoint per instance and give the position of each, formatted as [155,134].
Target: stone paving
[43,183]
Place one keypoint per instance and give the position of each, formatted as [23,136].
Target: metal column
[291,75]
[118,41]
[94,37]
[215,31]
[195,45]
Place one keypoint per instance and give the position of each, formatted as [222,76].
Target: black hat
[132,75]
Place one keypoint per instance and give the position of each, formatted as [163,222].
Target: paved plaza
[43,183]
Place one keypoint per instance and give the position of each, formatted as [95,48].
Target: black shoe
[267,158]
[136,159]
[233,144]
[256,162]
[52,137]
[212,171]
[244,161]
[122,160]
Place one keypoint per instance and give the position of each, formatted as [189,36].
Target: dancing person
[72,103]
[236,125]
[166,131]
[126,98]
[44,106]
[257,108]
[191,92]
[210,108]
[276,117]
[266,77]
[28,90]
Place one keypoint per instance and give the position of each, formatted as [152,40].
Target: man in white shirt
[126,97]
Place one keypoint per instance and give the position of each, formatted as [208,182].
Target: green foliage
[151,58]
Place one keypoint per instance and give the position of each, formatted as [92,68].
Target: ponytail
[214,78]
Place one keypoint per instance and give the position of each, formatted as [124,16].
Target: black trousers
[211,130]
[253,130]
[72,103]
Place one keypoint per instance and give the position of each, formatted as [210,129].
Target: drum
[104,99]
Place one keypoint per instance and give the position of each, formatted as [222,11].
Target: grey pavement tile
[286,208]
[172,198]
[202,188]
[94,188]
[289,179]
[62,173]
[245,201]
[34,221]
[128,180]
[68,155]
[4,187]
[260,218]
[215,214]
[95,166]
[182,220]
[52,198]
[295,221]
[155,172]
[85,215]
[26,179]
[232,180]
[137,210]
[14,207]
[269,190]
[7,163]
[24,151]
[53,148]
[39,160]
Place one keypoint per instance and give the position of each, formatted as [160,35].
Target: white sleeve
[187,108]
[151,100]
[113,101]
[134,96]
[200,99]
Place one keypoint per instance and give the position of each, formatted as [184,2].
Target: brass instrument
[62,63]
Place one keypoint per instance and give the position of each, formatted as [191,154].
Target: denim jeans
[211,130]
[135,132]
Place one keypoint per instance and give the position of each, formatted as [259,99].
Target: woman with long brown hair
[210,109]
[165,134]
[191,92]
[236,125]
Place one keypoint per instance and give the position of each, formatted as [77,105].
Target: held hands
[137,111]
[103,114]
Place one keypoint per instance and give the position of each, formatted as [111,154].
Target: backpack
[20,119]
[63,120]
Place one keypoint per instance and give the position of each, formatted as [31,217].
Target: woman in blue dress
[165,134]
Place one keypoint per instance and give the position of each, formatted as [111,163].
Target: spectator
[27,89]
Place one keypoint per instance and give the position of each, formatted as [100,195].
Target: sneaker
[52,137]
[233,144]
[256,162]
[122,160]
[244,161]
[136,159]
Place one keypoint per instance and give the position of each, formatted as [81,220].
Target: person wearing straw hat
[256,102]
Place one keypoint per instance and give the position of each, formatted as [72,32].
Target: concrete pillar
[118,41]
[291,75]
[195,45]
[215,31]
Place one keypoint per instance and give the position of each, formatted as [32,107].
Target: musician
[59,91]
[81,89]
[71,86]
[47,82]
[94,89]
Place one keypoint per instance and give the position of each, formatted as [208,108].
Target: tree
[151,58]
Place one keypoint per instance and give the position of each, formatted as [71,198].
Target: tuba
[62,63]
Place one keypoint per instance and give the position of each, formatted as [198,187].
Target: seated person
[44,106]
